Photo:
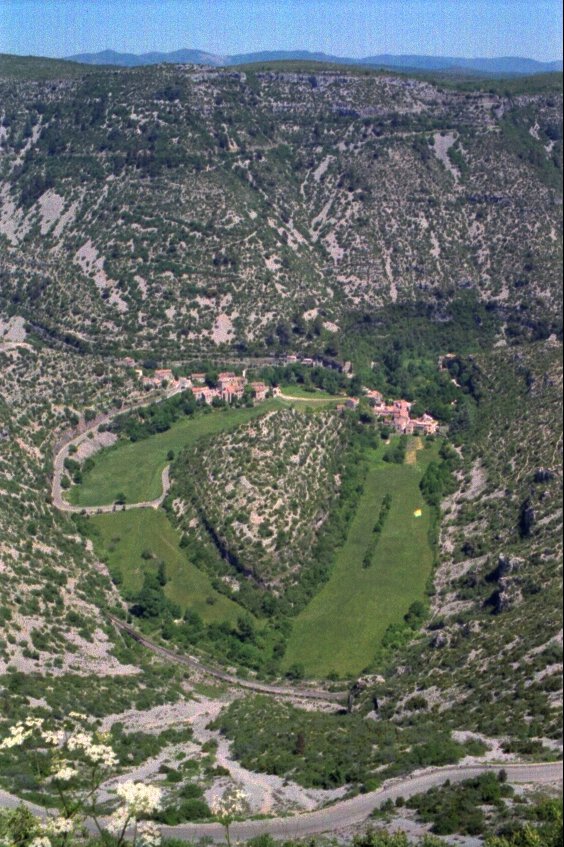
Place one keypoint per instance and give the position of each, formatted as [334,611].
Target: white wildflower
[65,773]
[232,803]
[59,826]
[139,799]
[54,738]
[148,834]
[118,821]
[78,716]
[34,723]
[40,841]
[101,754]
[79,741]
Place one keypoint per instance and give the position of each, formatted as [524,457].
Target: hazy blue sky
[531,28]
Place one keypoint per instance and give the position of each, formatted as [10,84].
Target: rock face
[508,593]
[544,475]
[527,519]
[440,640]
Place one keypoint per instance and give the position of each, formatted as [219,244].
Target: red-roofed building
[260,390]
[235,384]
[375,398]
[204,394]
[163,373]
[425,425]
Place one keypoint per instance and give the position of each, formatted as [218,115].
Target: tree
[296,671]
[161,573]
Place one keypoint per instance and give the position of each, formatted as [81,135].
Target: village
[230,387]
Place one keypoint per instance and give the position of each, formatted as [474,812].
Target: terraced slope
[173,208]
[263,492]
[52,585]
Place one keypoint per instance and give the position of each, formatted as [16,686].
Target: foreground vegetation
[328,750]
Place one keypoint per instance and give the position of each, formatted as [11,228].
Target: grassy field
[135,468]
[122,537]
[342,626]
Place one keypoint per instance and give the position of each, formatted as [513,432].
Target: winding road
[346,813]
[63,506]
[357,809]
[63,452]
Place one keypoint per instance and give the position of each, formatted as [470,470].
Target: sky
[355,28]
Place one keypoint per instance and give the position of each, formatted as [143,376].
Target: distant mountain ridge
[501,65]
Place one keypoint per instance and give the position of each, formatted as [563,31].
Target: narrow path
[260,687]
[411,453]
[345,813]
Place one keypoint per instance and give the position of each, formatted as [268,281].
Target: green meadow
[124,540]
[135,468]
[340,629]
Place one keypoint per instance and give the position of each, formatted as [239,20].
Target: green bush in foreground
[320,750]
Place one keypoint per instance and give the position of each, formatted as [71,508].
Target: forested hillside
[391,597]
[173,208]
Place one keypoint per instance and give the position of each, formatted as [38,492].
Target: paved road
[347,813]
[356,810]
[59,459]
[196,664]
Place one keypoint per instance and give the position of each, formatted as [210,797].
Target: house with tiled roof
[426,425]
[163,373]
[205,394]
[375,398]
[260,390]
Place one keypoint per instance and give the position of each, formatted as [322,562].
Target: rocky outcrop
[527,518]
[544,475]
[508,593]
